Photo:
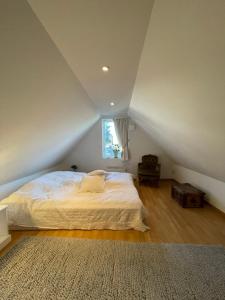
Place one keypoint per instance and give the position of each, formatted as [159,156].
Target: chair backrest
[150,160]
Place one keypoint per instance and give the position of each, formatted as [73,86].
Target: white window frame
[103,142]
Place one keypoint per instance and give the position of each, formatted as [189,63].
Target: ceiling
[39,96]
[91,34]
[177,97]
[179,94]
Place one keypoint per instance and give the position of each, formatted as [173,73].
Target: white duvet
[53,201]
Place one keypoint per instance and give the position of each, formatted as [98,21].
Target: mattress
[53,201]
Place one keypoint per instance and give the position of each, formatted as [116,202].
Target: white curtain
[121,128]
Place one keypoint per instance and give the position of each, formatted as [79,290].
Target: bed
[53,201]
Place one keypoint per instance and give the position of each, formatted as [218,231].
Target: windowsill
[111,158]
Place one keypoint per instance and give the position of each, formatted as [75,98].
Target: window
[110,144]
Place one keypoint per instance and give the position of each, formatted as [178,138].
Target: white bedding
[53,201]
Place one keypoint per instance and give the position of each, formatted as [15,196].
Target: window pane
[109,140]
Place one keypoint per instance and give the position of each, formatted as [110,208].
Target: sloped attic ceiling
[43,108]
[94,33]
[179,95]
[179,92]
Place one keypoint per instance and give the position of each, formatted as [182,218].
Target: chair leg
[139,179]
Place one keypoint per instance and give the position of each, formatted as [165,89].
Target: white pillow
[97,172]
[93,184]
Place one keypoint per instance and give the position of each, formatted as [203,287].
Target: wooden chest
[187,195]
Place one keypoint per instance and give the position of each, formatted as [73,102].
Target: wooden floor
[168,222]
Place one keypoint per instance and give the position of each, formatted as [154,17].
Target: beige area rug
[68,268]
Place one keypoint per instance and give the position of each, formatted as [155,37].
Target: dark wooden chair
[149,169]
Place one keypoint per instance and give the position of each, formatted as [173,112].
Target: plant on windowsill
[116,149]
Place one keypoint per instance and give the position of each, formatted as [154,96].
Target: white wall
[179,94]
[43,108]
[87,155]
[214,189]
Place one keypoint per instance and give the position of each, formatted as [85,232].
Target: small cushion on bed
[97,172]
[93,184]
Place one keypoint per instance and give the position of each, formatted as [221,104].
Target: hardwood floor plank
[169,223]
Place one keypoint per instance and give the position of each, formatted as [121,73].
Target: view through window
[110,144]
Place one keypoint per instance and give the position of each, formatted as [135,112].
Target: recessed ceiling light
[112,103]
[105,68]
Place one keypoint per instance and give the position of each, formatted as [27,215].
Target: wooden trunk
[187,195]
